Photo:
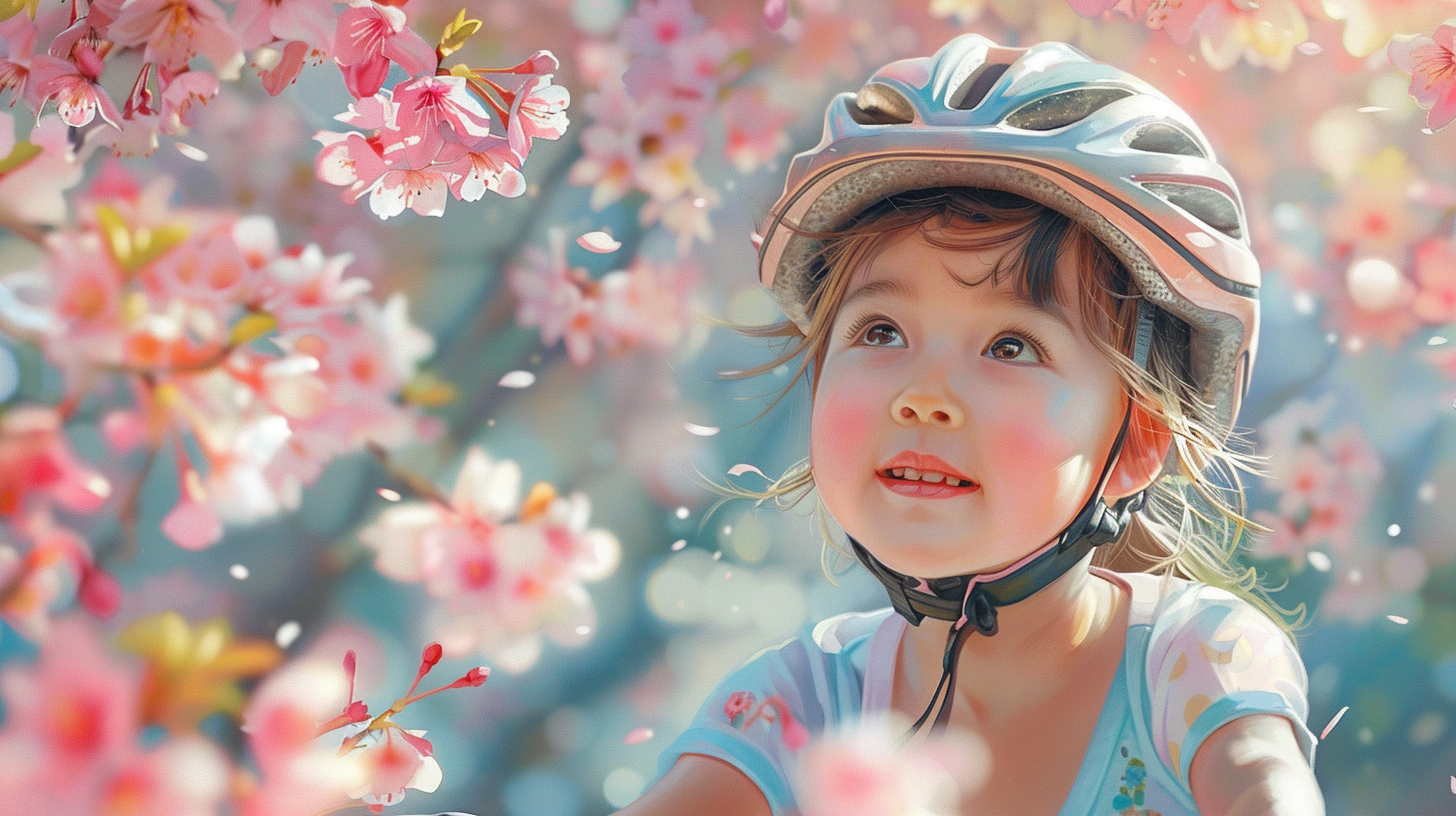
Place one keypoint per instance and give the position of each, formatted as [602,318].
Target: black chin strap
[970,602]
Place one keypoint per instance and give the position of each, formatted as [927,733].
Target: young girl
[1023,293]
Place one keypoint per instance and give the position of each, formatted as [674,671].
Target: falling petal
[388,495]
[1397,619]
[1393,530]
[191,152]
[775,13]
[517,379]
[755,239]
[1372,109]
[239,572]
[1453,784]
[679,544]
[598,242]
[1319,560]
[1310,49]
[700,430]
[287,633]
[1437,341]
[637,735]
[1333,722]
[740,469]
[583,630]
[681,512]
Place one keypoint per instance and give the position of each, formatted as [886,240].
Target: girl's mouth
[927,484]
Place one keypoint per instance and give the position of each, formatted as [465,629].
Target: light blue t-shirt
[1196,658]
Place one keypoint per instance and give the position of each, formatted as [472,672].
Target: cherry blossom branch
[417,484]
[30,232]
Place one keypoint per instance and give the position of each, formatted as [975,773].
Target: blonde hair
[1194,519]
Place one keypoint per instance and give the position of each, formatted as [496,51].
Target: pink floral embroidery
[742,713]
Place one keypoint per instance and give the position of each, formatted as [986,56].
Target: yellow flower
[193,672]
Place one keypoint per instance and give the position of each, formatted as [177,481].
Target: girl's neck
[1040,643]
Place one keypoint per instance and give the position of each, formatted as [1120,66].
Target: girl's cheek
[841,420]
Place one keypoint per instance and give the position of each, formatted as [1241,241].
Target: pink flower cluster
[645,304]
[45,563]
[1383,280]
[1325,481]
[317,747]
[651,126]
[79,737]
[502,584]
[1264,33]
[71,739]
[431,135]
[272,360]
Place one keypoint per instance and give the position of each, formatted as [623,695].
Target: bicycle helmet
[1047,123]
[1085,139]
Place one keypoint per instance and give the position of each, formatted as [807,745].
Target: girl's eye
[882,335]
[1013,349]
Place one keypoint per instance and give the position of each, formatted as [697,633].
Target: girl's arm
[1253,767]
[702,786]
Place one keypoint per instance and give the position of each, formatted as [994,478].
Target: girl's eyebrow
[885,286]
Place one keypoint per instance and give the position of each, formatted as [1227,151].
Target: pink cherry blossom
[425,106]
[653,27]
[646,305]
[69,716]
[1431,62]
[537,112]
[300,769]
[33,579]
[17,38]
[180,94]
[394,760]
[423,191]
[74,87]
[175,31]
[489,165]
[1435,273]
[368,37]
[37,462]
[755,129]
[859,771]
[502,585]
[259,22]
[279,64]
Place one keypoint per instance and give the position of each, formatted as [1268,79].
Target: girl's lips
[925,490]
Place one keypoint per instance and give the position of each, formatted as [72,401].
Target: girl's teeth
[933,478]
[911,473]
[898,473]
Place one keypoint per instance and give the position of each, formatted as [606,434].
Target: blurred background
[599,373]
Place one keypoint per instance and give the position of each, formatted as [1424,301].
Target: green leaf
[456,33]
[24,151]
[134,249]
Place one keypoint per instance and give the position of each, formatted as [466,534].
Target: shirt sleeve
[1213,658]
[760,718]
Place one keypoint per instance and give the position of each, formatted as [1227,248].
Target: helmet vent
[1062,109]
[878,104]
[975,87]
[1161,137]
[1204,203]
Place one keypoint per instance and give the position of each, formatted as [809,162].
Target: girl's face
[955,427]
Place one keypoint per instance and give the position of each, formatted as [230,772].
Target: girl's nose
[912,407]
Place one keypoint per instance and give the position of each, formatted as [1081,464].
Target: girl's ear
[1143,453]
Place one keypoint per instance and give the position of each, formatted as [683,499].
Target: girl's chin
[930,561]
